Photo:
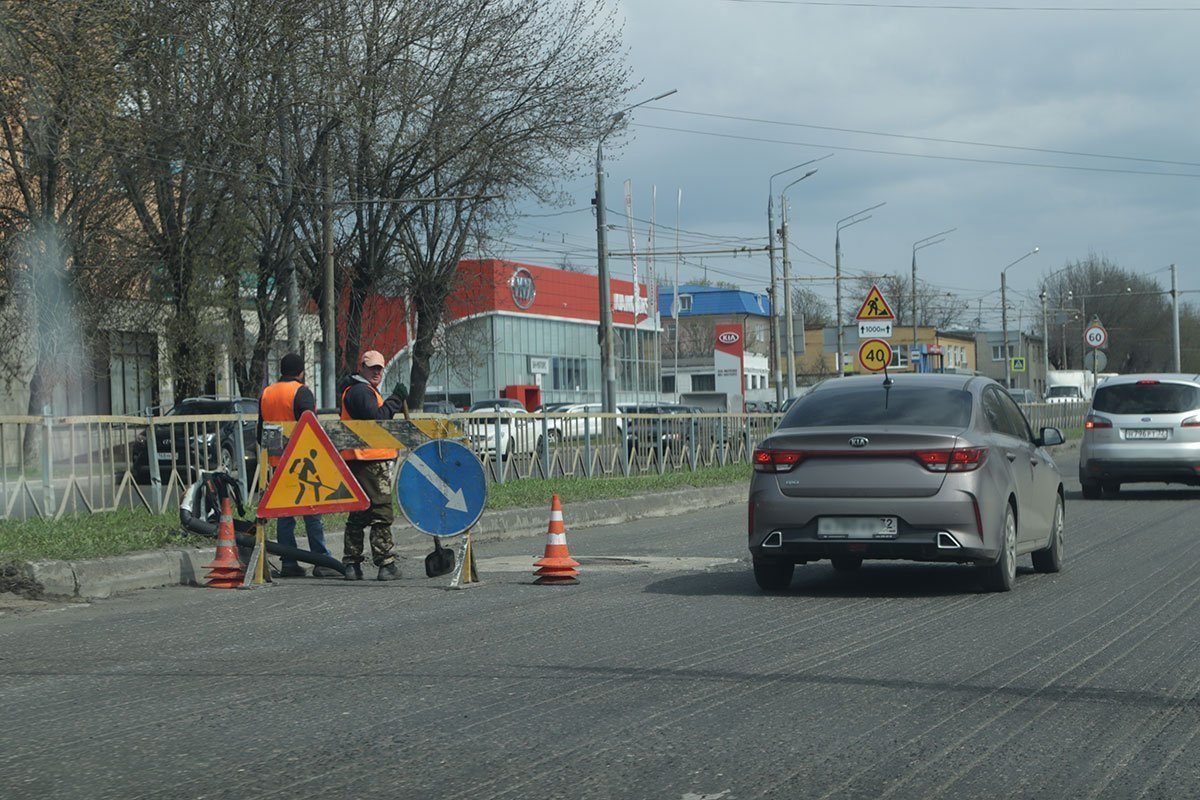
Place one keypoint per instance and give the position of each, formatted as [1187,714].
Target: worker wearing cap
[284,401]
[359,398]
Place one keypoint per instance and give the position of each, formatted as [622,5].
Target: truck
[1072,385]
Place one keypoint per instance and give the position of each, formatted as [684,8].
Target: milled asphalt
[97,578]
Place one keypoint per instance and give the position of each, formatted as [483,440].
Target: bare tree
[812,308]
[936,308]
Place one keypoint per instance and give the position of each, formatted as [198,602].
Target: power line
[932,7]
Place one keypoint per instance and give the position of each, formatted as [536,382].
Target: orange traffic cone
[225,572]
[557,566]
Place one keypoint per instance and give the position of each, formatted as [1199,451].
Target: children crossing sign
[311,477]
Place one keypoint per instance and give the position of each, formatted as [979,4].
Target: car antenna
[887,387]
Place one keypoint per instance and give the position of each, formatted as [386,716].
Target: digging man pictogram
[308,477]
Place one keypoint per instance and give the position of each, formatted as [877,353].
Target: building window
[704,382]
[685,303]
[899,356]
[569,374]
[998,352]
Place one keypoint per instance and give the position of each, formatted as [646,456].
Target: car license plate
[857,527]
[1145,433]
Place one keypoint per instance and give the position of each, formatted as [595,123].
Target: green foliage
[532,494]
[92,536]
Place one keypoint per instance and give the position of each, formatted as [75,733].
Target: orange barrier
[226,571]
[557,566]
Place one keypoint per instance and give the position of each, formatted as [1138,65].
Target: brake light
[766,460]
[1190,422]
[1146,382]
[959,459]
[1093,421]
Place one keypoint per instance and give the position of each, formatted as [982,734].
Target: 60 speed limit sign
[1096,335]
[874,354]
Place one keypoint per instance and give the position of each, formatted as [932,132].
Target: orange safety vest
[370,454]
[277,404]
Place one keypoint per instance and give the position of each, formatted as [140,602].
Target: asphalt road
[664,674]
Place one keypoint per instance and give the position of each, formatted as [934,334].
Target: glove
[400,392]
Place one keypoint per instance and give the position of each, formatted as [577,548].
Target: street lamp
[609,396]
[921,244]
[844,222]
[787,284]
[775,354]
[1004,316]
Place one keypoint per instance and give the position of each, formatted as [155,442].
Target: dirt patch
[16,580]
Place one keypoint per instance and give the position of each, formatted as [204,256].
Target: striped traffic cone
[226,571]
[557,566]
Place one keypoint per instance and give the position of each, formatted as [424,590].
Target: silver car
[923,467]
[1141,428]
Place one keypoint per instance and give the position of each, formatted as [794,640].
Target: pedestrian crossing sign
[875,307]
[311,477]
[1018,364]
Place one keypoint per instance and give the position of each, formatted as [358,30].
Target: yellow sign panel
[875,307]
[874,354]
[311,477]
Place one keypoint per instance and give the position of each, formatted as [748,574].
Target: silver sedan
[919,467]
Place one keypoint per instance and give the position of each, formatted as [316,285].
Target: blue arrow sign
[441,488]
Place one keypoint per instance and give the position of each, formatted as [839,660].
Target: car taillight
[766,460]
[1093,421]
[1146,382]
[959,459]
[1190,422]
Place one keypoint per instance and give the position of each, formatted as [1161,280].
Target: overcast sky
[1073,130]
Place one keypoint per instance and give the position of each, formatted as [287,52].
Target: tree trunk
[429,317]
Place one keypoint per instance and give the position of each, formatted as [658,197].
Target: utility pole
[1175,316]
[853,219]
[609,395]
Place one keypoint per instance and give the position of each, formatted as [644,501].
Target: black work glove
[400,392]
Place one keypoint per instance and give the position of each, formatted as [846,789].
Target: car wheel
[555,438]
[508,451]
[773,575]
[228,462]
[1091,490]
[846,563]
[1111,487]
[1050,559]
[999,577]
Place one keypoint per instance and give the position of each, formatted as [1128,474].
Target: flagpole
[675,304]
[652,298]
[637,294]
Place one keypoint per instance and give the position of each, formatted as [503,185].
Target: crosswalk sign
[311,477]
[875,307]
[1018,364]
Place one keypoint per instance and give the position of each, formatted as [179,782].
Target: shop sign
[522,287]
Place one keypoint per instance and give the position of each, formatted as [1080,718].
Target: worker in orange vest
[284,401]
[359,398]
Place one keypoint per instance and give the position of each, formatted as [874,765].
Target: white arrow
[454,497]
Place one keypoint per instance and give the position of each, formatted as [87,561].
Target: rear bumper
[1156,470]
[802,545]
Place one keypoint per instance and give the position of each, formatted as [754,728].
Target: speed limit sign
[874,354]
[1095,335]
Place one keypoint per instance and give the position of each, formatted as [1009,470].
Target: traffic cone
[226,571]
[557,566]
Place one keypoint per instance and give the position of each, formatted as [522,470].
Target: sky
[1066,125]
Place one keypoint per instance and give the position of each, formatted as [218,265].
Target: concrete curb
[92,579]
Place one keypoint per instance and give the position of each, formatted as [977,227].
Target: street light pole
[787,285]
[853,219]
[1004,316]
[607,368]
[921,244]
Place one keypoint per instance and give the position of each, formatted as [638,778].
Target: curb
[98,578]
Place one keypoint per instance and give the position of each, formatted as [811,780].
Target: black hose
[220,484]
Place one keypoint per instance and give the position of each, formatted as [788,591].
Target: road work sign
[875,307]
[311,477]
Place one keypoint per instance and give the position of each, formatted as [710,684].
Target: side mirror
[1050,437]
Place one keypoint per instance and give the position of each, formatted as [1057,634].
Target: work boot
[389,572]
[353,572]
[321,571]
[292,571]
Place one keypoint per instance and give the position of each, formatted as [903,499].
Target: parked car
[511,431]
[1023,395]
[922,467]
[438,407]
[496,402]
[673,424]
[1140,429]
[201,444]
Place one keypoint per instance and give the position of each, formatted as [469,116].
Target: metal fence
[52,467]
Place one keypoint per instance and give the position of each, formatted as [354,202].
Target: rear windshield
[873,405]
[1147,398]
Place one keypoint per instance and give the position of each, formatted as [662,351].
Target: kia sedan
[1140,429]
[919,467]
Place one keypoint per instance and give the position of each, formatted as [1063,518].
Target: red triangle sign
[311,477]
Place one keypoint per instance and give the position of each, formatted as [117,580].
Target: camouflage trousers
[375,478]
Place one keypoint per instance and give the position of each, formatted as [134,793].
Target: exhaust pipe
[947,542]
[774,539]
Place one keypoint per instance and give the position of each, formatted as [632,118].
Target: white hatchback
[1141,429]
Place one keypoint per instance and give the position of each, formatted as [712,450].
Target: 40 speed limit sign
[874,355]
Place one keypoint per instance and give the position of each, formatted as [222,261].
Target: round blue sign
[441,488]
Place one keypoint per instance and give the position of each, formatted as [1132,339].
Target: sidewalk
[103,577]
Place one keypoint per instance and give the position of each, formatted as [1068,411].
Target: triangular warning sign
[875,307]
[311,477]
